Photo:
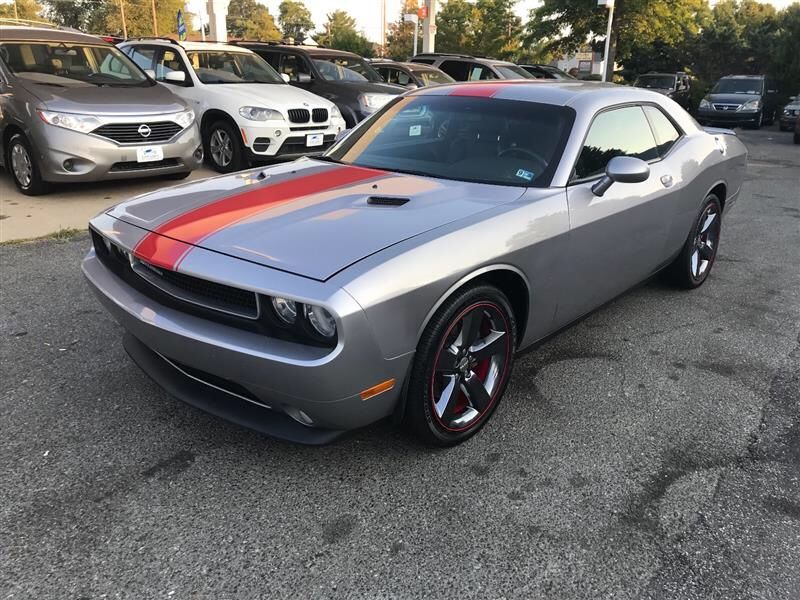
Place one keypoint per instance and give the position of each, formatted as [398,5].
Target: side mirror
[303,78]
[175,77]
[285,77]
[411,86]
[150,73]
[622,169]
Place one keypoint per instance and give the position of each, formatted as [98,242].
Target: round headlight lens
[321,320]
[285,309]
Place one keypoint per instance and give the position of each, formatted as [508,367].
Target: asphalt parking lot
[650,451]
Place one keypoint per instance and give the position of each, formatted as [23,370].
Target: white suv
[246,110]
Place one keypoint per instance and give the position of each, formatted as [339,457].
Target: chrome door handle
[666,180]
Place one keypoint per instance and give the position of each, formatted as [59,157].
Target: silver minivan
[74,108]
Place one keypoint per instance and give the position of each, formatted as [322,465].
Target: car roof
[312,50]
[580,95]
[188,46]
[657,75]
[46,34]
[743,77]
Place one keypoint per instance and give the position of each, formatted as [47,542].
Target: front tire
[462,366]
[223,147]
[21,163]
[692,266]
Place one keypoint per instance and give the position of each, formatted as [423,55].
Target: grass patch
[62,235]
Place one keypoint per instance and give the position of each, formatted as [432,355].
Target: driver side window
[617,132]
[294,66]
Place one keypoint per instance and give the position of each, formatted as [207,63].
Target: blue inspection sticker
[526,175]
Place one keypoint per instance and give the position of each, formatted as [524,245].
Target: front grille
[132,165]
[202,292]
[297,145]
[218,303]
[128,133]
[319,115]
[299,115]
[726,107]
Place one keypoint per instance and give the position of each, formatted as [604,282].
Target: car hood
[732,98]
[310,218]
[106,101]
[269,95]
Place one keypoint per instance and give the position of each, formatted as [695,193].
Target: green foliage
[104,16]
[29,10]
[295,20]
[341,33]
[456,27]
[70,13]
[249,20]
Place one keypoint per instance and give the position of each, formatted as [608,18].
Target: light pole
[412,18]
[610,5]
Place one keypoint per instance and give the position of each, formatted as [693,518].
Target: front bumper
[279,139]
[96,158]
[787,122]
[726,117]
[254,380]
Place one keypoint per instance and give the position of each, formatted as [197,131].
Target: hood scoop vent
[386,201]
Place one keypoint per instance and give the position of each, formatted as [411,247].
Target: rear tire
[462,366]
[24,168]
[223,147]
[692,266]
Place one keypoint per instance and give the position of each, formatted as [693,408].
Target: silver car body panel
[383,271]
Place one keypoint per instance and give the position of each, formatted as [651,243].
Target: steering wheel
[541,163]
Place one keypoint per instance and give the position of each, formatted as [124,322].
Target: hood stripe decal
[478,90]
[168,244]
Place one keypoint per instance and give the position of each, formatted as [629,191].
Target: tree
[249,20]
[456,27]
[341,33]
[567,25]
[106,17]
[29,10]
[295,19]
[69,13]
[400,36]
[497,29]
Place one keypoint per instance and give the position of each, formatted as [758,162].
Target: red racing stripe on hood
[168,244]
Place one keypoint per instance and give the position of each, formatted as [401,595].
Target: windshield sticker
[526,175]
[415,130]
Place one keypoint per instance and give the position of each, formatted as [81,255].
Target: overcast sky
[368,12]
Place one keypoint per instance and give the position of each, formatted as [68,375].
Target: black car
[673,85]
[546,72]
[411,75]
[790,114]
[344,78]
[748,100]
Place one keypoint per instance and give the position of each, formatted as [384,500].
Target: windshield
[513,72]
[658,82]
[737,86]
[556,72]
[484,140]
[346,68]
[69,65]
[222,66]
[433,76]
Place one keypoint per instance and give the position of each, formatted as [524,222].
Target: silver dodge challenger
[398,274]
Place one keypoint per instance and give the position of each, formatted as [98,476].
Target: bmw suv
[247,111]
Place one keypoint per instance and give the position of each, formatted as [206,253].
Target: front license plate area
[149,154]
[314,139]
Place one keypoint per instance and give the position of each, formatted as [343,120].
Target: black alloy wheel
[462,366]
[696,259]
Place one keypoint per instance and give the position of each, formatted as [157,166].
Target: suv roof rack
[436,54]
[274,43]
[33,23]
